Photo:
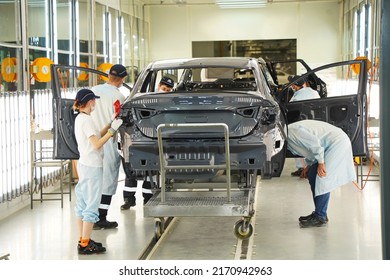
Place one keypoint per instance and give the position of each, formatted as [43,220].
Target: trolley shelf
[199,203]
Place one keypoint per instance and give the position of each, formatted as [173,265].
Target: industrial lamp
[235,4]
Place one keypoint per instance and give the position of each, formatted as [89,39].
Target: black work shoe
[313,221]
[105,225]
[92,248]
[305,218]
[297,173]
[128,203]
[147,198]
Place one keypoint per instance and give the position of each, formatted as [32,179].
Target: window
[64,25]
[84,33]
[362,31]
[40,42]
[10,13]
[100,33]
[113,35]
[38,23]
[64,32]
[11,78]
[11,74]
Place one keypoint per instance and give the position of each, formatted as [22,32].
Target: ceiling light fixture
[235,4]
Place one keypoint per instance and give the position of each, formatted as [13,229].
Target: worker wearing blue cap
[90,142]
[105,110]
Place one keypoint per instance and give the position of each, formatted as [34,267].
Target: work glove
[115,125]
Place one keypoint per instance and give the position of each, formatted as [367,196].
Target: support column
[384,86]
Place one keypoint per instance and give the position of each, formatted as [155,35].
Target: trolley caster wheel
[243,230]
[157,230]
[159,227]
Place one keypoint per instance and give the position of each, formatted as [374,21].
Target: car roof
[239,62]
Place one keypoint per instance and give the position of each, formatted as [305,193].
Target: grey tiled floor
[49,233]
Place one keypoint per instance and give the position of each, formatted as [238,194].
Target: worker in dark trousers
[328,156]
[165,85]
[130,189]
[105,111]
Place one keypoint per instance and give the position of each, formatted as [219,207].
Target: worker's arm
[99,142]
[107,132]
[105,129]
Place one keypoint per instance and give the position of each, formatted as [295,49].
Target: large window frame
[363,31]
[12,77]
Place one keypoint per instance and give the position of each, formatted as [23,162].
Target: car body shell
[255,121]
[248,103]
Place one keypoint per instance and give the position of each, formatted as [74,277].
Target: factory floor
[48,232]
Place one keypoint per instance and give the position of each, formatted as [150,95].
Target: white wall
[316,26]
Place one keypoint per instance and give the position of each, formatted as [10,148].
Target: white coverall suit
[111,161]
[320,142]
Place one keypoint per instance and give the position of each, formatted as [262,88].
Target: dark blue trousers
[321,201]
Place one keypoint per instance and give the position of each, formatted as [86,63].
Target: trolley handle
[164,166]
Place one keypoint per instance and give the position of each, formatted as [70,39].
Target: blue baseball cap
[167,81]
[118,70]
[84,95]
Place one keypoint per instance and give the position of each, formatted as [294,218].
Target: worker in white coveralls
[105,111]
[328,154]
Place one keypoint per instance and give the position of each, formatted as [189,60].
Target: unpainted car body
[231,91]
[225,122]
[250,102]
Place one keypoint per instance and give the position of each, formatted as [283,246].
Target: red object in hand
[117,107]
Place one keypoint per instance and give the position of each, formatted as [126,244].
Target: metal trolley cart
[228,194]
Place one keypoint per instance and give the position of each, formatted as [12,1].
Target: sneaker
[92,248]
[297,173]
[314,221]
[105,225]
[128,203]
[305,218]
[97,243]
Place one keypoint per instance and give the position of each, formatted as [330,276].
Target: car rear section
[254,135]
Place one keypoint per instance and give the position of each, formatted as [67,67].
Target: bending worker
[328,154]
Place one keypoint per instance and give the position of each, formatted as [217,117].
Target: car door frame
[65,145]
[348,112]
[272,67]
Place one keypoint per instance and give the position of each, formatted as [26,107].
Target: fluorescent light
[241,4]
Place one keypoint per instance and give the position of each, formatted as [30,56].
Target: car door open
[66,81]
[345,104]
